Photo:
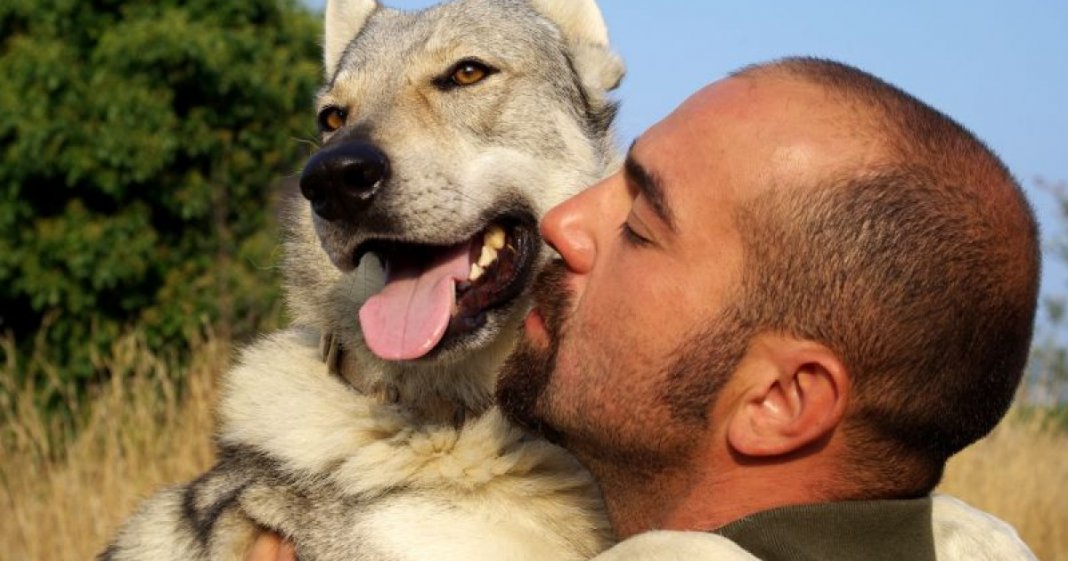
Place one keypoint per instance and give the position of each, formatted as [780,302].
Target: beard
[688,385]
[527,372]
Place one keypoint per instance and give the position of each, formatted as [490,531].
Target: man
[804,292]
[804,288]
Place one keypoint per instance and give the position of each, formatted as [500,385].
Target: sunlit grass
[1020,474]
[65,495]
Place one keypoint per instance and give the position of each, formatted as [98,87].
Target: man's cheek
[569,373]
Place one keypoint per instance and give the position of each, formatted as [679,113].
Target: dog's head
[446,134]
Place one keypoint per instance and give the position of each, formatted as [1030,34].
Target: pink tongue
[409,316]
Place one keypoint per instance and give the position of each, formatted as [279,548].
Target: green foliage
[141,144]
[1047,377]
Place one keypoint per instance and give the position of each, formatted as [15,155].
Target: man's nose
[570,229]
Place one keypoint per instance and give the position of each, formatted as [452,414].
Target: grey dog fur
[372,463]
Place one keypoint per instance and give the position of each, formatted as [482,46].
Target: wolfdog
[368,430]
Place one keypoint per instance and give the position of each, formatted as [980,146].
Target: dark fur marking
[237,468]
[597,120]
[203,520]
[600,120]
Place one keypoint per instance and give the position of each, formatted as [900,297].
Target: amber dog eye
[465,73]
[469,73]
[331,119]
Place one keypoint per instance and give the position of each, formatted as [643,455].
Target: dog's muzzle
[342,180]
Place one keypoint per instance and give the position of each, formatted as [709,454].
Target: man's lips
[535,329]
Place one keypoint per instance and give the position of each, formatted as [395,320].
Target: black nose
[342,180]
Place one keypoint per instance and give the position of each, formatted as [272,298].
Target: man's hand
[269,546]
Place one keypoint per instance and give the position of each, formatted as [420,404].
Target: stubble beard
[689,384]
[525,377]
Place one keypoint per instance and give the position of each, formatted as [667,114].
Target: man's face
[623,342]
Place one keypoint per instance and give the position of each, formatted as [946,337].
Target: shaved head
[917,261]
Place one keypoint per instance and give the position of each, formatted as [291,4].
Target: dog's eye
[331,119]
[469,73]
[466,73]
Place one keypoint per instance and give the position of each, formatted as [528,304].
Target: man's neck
[702,496]
[637,500]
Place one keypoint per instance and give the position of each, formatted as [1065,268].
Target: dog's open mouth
[436,293]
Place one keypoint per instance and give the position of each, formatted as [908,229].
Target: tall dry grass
[65,491]
[1020,474]
[65,495]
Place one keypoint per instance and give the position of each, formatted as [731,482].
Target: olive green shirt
[895,530]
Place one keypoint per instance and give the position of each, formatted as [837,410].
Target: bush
[140,143]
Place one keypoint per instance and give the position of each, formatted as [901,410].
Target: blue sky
[999,67]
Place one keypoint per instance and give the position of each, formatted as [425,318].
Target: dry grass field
[64,495]
[1020,474]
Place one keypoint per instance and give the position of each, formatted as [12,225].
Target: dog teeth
[489,255]
[492,241]
[494,237]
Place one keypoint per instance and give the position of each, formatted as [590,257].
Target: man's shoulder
[664,545]
[962,531]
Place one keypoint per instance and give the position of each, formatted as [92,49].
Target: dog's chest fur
[343,473]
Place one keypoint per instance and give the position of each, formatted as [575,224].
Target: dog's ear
[580,20]
[600,67]
[584,28]
[344,20]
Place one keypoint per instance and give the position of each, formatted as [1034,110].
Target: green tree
[1047,381]
[141,144]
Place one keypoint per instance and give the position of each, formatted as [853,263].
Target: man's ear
[794,394]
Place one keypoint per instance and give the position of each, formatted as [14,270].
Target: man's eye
[632,237]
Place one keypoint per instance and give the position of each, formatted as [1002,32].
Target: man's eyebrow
[650,186]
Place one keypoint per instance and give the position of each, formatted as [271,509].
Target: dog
[368,430]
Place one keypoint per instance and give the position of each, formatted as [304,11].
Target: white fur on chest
[485,491]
